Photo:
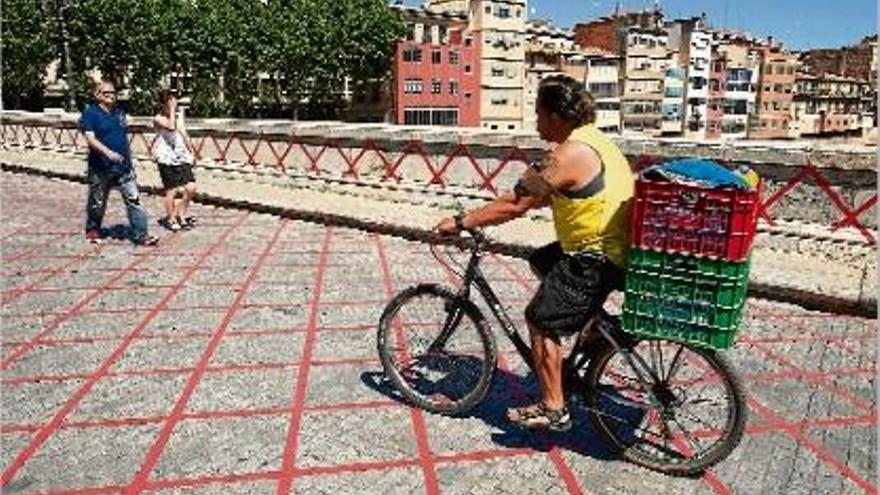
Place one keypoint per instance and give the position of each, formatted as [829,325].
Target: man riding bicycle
[587,182]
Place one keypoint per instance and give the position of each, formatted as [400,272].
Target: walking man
[110,167]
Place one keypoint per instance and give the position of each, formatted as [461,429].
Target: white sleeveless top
[169,147]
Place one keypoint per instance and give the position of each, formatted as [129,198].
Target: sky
[799,24]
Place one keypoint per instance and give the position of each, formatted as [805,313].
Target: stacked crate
[689,262]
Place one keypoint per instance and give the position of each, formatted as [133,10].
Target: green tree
[225,46]
[128,41]
[321,42]
[27,51]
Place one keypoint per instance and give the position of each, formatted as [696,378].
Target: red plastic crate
[711,223]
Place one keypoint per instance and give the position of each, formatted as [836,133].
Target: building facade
[831,105]
[437,70]
[603,82]
[699,65]
[775,94]
[647,59]
[741,84]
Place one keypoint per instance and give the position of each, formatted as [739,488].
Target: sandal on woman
[149,240]
[539,417]
[187,222]
[166,222]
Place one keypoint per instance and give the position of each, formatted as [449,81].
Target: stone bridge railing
[831,186]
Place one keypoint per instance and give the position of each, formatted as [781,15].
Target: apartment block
[741,84]
[647,59]
[775,94]
[437,70]
[673,106]
[699,67]
[603,82]
[500,25]
[549,51]
[831,105]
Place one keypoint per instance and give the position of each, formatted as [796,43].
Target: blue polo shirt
[112,131]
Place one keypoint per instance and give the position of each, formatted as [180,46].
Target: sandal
[538,416]
[150,241]
[169,225]
[187,222]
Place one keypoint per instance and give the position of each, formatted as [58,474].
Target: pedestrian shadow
[512,390]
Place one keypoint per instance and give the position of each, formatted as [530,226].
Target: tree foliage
[27,50]
[232,57]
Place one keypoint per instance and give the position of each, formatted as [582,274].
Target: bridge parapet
[830,185]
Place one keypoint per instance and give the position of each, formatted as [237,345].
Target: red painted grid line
[426,460]
[137,484]
[160,336]
[70,311]
[298,399]
[204,415]
[40,437]
[768,416]
[208,307]
[820,379]
[26,254]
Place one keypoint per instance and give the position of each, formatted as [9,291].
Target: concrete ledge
[518,240]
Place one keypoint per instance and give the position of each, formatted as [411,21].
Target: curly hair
[567,98]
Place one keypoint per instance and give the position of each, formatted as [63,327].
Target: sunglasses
[107,93]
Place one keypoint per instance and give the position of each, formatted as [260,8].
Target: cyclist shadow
[512,390]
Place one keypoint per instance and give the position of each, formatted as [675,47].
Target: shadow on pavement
[511,390]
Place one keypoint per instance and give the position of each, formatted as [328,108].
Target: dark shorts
[174,176]
[573,288]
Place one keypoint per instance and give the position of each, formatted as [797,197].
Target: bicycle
[623,382]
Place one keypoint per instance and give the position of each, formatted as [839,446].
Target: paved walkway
[239,358]
[804,264]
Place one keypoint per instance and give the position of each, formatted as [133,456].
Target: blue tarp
[702,173]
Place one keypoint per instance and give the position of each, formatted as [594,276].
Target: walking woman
[174,155]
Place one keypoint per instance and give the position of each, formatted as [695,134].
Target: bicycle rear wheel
[682,412]
[436,349]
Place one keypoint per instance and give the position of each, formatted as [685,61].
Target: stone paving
[239,358]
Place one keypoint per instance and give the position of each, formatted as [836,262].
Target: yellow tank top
[597,221]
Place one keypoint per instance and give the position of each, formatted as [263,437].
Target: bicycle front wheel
[436,349]
[666,406]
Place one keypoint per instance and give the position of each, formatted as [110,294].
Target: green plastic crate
[684,298]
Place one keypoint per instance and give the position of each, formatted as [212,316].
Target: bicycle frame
[602,323]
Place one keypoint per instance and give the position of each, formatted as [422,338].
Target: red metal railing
[409,161]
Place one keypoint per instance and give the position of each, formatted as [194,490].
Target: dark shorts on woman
[174,176]
[573,288]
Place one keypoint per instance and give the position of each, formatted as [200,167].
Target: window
[488,9]
[468,41]
[430,116]
[499,101]
[467,97]
[519,12]
[453,57]
[497,71]
[435,57]
[412,54]
[412,86]
[511,127]
[494,127]
[503,11]
[436,86]
[467,69]
[453,87]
